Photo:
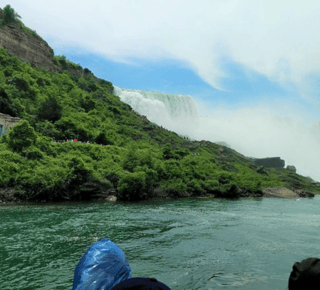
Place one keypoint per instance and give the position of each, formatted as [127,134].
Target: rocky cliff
[27,47]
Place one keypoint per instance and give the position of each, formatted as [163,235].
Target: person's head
[103,266]
[305,275]
[140,283]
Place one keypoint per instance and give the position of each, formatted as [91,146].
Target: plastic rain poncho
[103,266]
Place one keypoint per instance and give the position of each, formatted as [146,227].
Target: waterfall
[251,131]
[174,112]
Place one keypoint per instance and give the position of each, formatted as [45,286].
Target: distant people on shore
[71,140]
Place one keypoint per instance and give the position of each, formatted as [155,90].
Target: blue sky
[251,66]
[174,77]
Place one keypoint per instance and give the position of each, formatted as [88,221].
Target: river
[185,243]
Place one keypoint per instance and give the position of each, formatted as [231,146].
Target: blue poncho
[103,266]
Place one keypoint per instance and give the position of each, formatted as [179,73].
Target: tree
[10,16]
[87,103]
[132,186]
[7,106]
[50,110]
[22,136]
[103,139]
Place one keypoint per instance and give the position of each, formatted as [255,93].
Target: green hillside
[128,156]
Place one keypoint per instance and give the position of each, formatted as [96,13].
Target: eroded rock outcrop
[27,47]
[279,192]
[283,192]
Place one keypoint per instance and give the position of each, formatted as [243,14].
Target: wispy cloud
[275,38]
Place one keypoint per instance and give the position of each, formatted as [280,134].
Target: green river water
[185,243]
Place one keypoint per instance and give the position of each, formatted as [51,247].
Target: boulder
[111,198]
[303,193]
[8,194]
[281,192]
[291,168]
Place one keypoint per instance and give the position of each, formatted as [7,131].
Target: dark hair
[141,283]
[305,275]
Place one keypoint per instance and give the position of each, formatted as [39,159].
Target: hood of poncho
[103,266]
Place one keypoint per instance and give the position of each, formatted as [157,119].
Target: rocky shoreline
[8,196]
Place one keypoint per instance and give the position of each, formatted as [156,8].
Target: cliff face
[27,47]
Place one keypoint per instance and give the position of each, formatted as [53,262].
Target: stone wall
[274,162]
[27,47]
[6,122]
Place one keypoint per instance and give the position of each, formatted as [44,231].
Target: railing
[64,141]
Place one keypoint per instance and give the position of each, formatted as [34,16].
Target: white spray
[255,132]
[177,113]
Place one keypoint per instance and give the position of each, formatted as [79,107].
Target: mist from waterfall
[174,112]
[255,132]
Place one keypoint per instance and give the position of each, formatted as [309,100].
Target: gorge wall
[27,47]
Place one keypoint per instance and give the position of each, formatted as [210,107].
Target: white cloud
[275,38]
[263,131]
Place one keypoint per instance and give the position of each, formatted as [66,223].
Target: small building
[6,122]
[291,168]
[273,162]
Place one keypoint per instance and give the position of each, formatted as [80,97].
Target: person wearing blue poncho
[104,266]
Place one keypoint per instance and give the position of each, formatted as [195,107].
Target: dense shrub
[87,103]
[80,172]
[103,139]
[173,169]
[50,110]
[175,187]
[168,152]
[7,106]
[22,136]
[33,152]
[132,186]
[10,165]
[70,128]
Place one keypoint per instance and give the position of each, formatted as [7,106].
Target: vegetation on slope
[128,156]
[9,17]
